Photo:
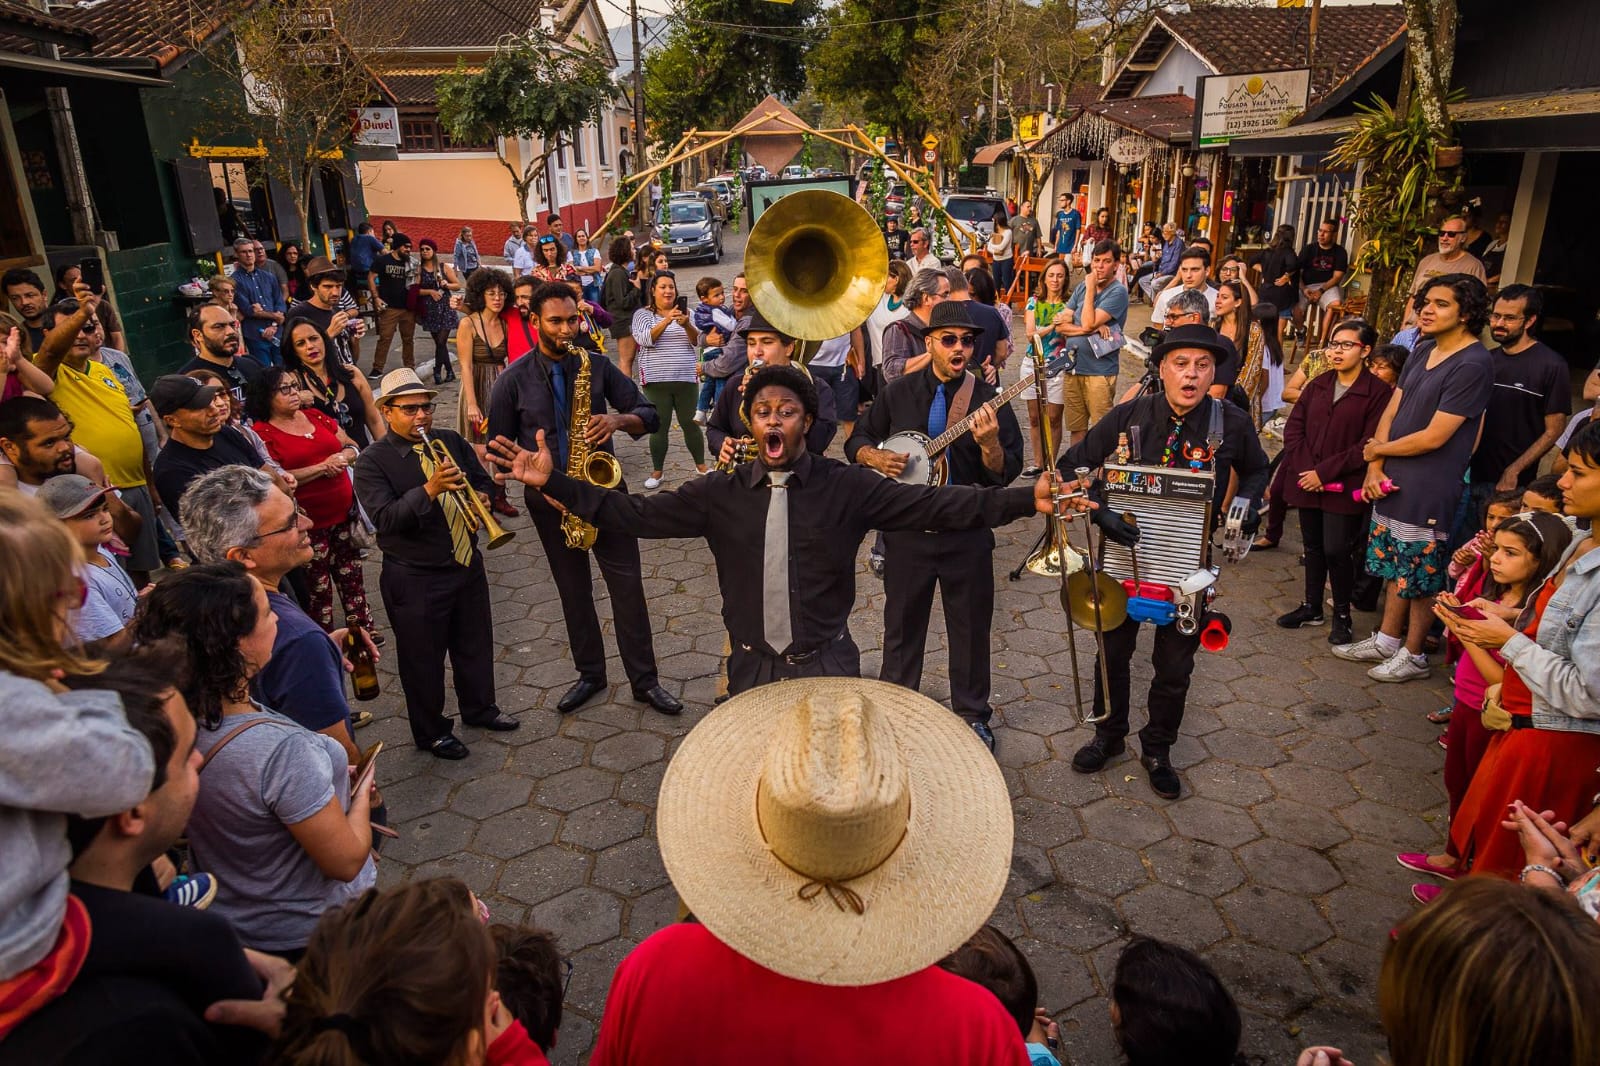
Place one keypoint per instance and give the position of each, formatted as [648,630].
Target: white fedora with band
[839,831]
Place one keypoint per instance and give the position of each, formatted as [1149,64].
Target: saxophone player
[433,583]
[536,393]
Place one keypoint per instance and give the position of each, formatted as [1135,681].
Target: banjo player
[960,562]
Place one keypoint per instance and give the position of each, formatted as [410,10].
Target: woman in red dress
[313,448]
[1549,756]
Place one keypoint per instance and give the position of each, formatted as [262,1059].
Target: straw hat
[402,381]
[836,830]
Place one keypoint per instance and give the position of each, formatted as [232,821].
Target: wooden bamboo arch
[687,148]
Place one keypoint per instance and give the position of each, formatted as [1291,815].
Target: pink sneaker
[1425,893]
[1418,861]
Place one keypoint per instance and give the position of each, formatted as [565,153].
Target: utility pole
[643,202]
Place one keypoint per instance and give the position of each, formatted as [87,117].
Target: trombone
[1088,596]
[466,500]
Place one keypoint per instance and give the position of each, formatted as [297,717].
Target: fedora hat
[319,267]
[838,831]
[1196,336]
[950,314]
[402,382]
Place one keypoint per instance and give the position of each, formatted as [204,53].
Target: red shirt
[522,336]
[683,996]
[515,1047]
[326,499]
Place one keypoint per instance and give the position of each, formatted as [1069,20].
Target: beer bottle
[365,674]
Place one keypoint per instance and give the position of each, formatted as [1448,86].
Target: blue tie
[558,386]
[937,412]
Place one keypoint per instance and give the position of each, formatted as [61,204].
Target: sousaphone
[815,265]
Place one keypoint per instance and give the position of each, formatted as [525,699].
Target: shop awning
[63,69]
[990,154]
[1569,119]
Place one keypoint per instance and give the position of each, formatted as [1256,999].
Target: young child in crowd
[110,598]
[1519,561]
[990,959]
[1169,1006]
[530,981]
[1386,362]
[716,325]
[1543,494]
[402,975]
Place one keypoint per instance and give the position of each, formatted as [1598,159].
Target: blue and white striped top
[669,358]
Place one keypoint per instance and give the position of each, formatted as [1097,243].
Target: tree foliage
[535,87]
[300,72]
[721,58]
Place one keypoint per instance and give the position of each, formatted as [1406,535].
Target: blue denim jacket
[1562,668]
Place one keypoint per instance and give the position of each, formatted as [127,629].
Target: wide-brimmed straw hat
[836,830]
[402,381]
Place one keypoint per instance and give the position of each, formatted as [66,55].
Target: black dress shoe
[500,723]
[580,693]
[660,699]
[985,734]
[1095,754]
[1163,778]
[446,747]
[720,700]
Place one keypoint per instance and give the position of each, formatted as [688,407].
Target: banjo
[925,461]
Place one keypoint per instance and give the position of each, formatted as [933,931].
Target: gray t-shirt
[111,601]
[268,778]
[1428,486]
[1113,300]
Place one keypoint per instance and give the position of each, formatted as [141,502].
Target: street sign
[881,142]
[930,155]
[930,142]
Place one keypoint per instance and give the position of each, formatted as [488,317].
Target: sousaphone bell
[816,264]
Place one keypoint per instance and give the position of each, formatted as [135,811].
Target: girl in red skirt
[1522,558]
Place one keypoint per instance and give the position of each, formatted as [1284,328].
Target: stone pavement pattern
[1301,780]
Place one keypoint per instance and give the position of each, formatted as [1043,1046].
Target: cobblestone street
[1301,780]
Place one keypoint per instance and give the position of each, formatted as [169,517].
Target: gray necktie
[775,566]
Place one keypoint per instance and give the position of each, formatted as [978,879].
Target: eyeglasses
[1343,346]
[1507,318]
[288,390]
[413,409]
[953,340]
[566,980]
[294,524]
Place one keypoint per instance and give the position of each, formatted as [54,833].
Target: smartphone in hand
[92,273]
[1464,610]
[683,304]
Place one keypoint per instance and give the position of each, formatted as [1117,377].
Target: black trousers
[751,665]
[961,564]
[1173,658]
[618,556]
[434,612]
[1330,541]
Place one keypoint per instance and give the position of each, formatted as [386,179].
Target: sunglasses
[414,408]
[953,340]
[1452,232]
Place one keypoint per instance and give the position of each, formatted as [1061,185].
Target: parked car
[794,170]
[975,211]
[722,190]
[692,230]
[709,196]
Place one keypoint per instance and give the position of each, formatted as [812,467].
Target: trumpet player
[433,583]
[534,394]
[1172,425]
[765,346]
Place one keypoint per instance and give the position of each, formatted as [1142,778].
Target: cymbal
[1078,600]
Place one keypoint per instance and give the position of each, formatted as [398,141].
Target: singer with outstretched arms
[536,394]
[784,529]
[1178,427]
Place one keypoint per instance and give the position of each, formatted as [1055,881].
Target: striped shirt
[670,357]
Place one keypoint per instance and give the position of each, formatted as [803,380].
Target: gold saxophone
[583,463]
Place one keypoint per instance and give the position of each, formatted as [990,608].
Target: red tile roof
[15,14]
[1164,118]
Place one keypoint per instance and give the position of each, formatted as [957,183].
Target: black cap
[1197,336]
[950,314]
[178,392]
[758,324]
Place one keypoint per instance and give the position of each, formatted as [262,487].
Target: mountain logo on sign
[1256,94]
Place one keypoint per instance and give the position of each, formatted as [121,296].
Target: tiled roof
[414,86]
[1164,118]
[138,29]
[464,23]
[14,14]
[1239,40]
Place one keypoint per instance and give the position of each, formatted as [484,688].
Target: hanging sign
[377,125]
[1129,150]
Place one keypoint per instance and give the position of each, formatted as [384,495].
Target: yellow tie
[460,530]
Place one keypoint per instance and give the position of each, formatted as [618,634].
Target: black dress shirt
[725,421]
[832,506]
[1240,451]
[412,528]
[522,401]
[903,405]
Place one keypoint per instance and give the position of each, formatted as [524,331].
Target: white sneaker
[652,483]
[1363,651]
[702,417]
[1399,667]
